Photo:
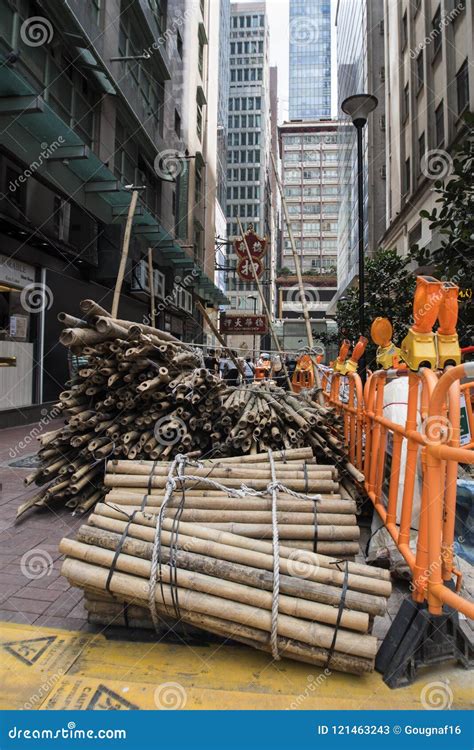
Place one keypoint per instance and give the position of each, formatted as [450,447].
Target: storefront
[19,334]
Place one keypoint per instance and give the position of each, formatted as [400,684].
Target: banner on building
[243,323]
[245,270]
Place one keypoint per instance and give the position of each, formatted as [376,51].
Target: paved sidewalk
[31,588]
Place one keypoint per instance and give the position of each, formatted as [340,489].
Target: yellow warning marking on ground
[50,669]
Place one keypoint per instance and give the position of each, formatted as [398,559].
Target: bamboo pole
[264,301]
[218,336]
[309,332]
[124,254]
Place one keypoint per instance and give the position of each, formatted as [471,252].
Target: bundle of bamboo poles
[139,393]
[328,525]
[223,583]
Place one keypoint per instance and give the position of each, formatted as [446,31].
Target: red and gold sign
[245,270]
[243,324]
[257,245]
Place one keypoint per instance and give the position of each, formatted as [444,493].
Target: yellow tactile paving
[51,669]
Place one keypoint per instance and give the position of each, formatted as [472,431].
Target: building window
[199,121]
[436,32]
[406,103]
[421,151]
[198,186]
[462,86]
[406,177]
[439,124]
[420,72]
[177,124]
[201,58]
[179,44]
[404,31]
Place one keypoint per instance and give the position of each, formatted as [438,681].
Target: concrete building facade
[310,155]
[361,69]
[114,104]
[429,56]
[248,157]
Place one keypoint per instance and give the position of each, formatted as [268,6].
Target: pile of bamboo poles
[137,392]
[222,583]
[328,525]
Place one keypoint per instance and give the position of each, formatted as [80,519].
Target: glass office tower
[310,59]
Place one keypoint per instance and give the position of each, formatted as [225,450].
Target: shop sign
[243,324]
[15,272]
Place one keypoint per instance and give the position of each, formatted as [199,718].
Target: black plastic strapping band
[306,485]
[118,551]
[315,538]
[125,614]
[340,610]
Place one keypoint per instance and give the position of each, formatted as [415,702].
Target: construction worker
[263,369]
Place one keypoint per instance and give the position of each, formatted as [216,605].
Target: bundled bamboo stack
[328,525]
[139,393]
[223,583]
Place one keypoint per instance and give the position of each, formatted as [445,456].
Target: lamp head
[359,107]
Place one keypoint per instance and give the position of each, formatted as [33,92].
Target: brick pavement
[31,588]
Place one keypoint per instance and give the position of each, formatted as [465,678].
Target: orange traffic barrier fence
[432,432]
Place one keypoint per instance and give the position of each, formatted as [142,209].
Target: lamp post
[359,107]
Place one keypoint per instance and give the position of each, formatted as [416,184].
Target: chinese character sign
[257,245]
[245,270]
[243,324]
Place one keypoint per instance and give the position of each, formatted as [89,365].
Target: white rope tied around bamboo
[273,487]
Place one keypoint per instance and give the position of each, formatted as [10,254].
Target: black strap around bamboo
[340,610]
[306,485]
[118,551]
[315,538]
[125,614]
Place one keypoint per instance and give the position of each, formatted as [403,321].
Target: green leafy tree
[389,289]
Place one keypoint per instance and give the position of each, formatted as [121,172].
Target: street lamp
[359,107]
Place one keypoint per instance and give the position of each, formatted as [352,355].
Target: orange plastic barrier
[366,431]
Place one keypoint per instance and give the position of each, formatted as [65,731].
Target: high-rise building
[310,177]
[310,59]
[249,144]
[429,87]
[360,65]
